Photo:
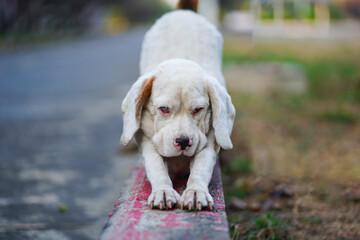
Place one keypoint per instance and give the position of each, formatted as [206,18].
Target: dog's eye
[197,110]
[164,110]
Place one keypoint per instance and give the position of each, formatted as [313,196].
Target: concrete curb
[132,219]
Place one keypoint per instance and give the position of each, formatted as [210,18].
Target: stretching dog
[179,110]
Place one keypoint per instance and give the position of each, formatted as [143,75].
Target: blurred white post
[279,16]
[255,9]
[210,10]
[322,18]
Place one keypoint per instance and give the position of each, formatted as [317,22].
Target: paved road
[60,123]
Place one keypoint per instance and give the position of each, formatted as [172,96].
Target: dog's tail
[188,4]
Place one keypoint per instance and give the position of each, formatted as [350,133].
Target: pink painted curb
[132,219]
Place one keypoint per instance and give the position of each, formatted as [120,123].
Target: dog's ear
[132,106]
[223,112]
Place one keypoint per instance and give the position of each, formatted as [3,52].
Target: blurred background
[292,68]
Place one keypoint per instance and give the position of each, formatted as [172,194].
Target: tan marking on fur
[144,93]
[188,4]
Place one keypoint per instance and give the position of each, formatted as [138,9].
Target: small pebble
[254,206]
[238,204]
[283,190]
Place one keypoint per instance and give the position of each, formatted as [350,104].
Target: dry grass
[305,51]
[299,143]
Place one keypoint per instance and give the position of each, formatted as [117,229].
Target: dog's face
[180,108]
[177,106]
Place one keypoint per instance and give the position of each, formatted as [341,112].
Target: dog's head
[177,105]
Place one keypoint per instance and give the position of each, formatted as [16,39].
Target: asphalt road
[60,124]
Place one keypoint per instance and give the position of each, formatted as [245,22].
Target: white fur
[183,34]
[183,52]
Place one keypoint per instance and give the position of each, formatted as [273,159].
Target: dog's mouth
[180,154]
[187,152]
[184,153]
[190,151]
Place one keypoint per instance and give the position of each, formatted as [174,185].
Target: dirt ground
[274,206]
[287,208]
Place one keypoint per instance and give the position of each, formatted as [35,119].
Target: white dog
[179,109]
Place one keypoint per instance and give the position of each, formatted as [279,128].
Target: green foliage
[269,227]
[312,220]
[334,79]
[311,13]
[267,11]
[339,117]
[289,101]
[240,165]
[289,10]
[238,193]
[233,218]
[269,221]
[336,12]
[315,220]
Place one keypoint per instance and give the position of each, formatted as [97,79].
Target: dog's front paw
[163,198]
[196,199]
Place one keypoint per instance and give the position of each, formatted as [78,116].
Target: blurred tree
[230,5]
[337,12]
[353,8]
[23,16]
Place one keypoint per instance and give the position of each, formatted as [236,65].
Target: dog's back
[183,34]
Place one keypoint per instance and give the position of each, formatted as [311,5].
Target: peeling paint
[175,221]
[132,219]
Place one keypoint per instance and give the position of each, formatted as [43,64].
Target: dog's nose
[183,142]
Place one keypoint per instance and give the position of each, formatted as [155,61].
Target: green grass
[269,221]
[315,220]
[338,117]
[238,193]
[332,70]
[269,226]
[240,165]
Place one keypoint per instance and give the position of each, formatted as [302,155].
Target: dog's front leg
[196,194]
[162,194]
